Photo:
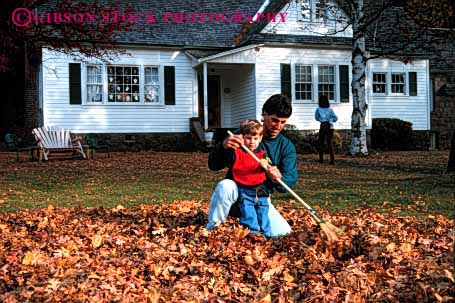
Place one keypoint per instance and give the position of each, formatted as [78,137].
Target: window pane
[305,9]
[303,85]
[151,85]
[94,93]
[326,81]
[320,9]
[94,83]
[379,83]
[151,93]
[397,85]
[123,82]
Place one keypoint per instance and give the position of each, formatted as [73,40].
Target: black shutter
[412,83]
[286,80]
[75,83]
[169,85]
[344,83]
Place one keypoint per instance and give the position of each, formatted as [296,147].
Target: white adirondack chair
[54,138]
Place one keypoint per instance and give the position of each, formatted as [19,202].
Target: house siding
[240,102]
[268,82]
[118,118]
[294,26]
[414,109]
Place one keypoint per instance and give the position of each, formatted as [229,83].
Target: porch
[226,88]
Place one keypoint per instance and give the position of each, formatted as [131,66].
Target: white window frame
[386,83]
[105,87]
[311,83]
[389,73]
[107,83]
[405,85]
[160,85]
[312,11]
[86,84]
[315,81]
[335,81]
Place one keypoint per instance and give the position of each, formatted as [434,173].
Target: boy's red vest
[246,171]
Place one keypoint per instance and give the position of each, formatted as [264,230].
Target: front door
[214,101]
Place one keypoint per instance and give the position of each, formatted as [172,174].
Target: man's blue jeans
[254,211]
[225,196]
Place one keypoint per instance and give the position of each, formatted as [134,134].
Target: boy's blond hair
[251,127]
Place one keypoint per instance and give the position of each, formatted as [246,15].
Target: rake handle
[289,190]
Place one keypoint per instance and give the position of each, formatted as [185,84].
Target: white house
[193,70]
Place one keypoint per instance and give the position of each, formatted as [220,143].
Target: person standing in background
[327,117]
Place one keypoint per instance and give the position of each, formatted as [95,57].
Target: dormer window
[313,10]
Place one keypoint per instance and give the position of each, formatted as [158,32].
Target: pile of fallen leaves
[162,253]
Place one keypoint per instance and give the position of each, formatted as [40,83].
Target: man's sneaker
[211,225]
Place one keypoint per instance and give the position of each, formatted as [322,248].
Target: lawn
[414,181]
[130,229]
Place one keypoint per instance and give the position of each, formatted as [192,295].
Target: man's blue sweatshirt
[281,152]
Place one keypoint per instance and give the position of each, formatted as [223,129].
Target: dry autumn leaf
[266,299]
[97,241]
[125,260]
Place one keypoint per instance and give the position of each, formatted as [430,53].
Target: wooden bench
[54,138]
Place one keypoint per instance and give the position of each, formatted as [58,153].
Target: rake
[330,230]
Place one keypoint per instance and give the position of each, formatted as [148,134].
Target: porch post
[206,106]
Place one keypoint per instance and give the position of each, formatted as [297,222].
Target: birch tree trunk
[359,60]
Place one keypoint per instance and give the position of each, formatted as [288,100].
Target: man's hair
[251,127]
[278,105]
[324,101]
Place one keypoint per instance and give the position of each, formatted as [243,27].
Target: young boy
[249,176]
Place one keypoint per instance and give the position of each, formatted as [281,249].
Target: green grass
[413,181]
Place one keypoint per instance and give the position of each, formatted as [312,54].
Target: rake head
[331,231]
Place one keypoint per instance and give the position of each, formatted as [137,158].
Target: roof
[197,53]
[208,34]
[202,39]
[301,39]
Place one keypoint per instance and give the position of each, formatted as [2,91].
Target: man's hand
[274,173]
[234,142]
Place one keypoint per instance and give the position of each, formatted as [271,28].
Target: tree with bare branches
[29,25]
[388,29]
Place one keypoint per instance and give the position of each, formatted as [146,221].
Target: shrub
[292,133]
[391,134]
[307,141]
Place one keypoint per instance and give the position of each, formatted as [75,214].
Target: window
[305,9]
[313,10]
[379,83]
[118,84]
[397,83]
[94,84]
[123,83]
[320,9]
[151,84]
[309,81]
[326,81]
[303,82]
